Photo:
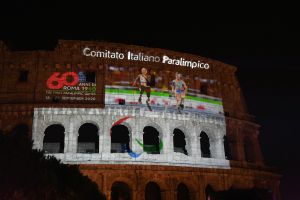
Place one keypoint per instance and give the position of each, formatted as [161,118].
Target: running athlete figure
[144,80]
[179,89]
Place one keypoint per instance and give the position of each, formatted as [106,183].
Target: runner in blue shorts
[179,89]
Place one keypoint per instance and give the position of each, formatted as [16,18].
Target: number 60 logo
[55,82]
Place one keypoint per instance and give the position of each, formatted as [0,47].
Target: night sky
[265,49]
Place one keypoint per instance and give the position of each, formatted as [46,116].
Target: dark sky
[263,46]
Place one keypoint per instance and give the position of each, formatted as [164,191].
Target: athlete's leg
[148,90]
[141,93]
[182,100]
[178,99]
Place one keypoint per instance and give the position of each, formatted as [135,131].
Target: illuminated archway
[120,139]
[151,140]
[54,139]
[205,145]
[227,148]
[179,141]
[88,139]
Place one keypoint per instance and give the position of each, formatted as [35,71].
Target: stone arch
[187,134]
[120,190]
[129,126]
[191,184]
[154,125]
[153,191]
[163,183]
[130,181]
[88,142]
[205,143]
[121,141]
[180,142]
[208,130]
[151,140]
[100,129]
[209,192]
[54,139]
[182,192]
[49,123]
[157,128]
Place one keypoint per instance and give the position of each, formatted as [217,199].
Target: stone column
[166,195]
[201,188]
[217,144]
[134,195]
[137,134]
[195,142]
[108,193]
[38,139]
[173,195]
[106,141]
[71,136]
[67,141]
[194,195]
[167,139]
[38,132]
[101,139]
[217,147]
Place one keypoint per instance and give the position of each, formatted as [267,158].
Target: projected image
[159,89]
[71,86]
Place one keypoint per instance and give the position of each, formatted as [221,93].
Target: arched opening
[151,140]
[120,191]
[20,130]
[88,139]
[204,144]
[227,148]
[152,191]
[179,141]
[119,139]
[182,192]
[248,149]
[54,139]
[209,193]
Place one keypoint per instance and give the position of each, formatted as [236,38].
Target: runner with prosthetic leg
[144,86]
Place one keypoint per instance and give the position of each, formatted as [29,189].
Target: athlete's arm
[173,87]
[185,87]
[136,80]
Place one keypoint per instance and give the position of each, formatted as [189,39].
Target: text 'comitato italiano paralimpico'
[144,58]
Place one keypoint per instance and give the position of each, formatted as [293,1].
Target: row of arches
[88,141]
[152,191]
[121,190]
